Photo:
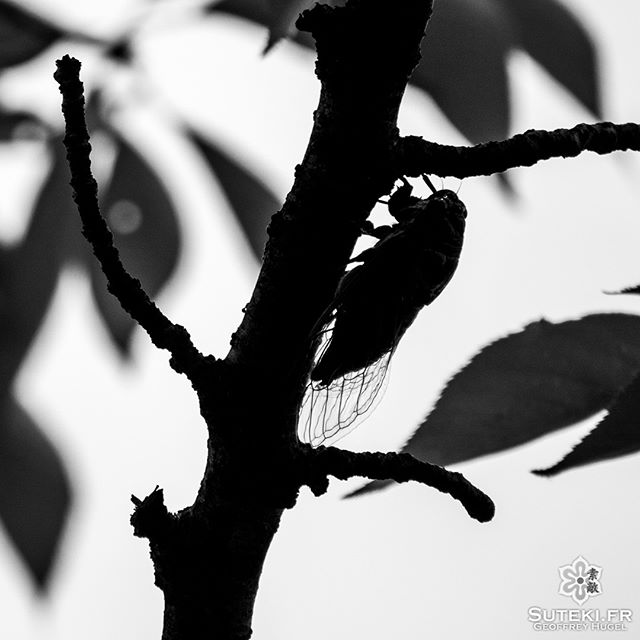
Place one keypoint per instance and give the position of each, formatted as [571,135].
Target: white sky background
[407,562]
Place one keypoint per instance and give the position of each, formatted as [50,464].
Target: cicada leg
[428,182]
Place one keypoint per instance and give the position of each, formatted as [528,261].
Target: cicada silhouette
[375,304]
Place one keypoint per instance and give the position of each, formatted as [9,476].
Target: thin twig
[127,289]
[399,467]
[415,156]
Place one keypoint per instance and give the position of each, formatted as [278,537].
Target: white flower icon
[580,580]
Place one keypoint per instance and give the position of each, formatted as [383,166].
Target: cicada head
[449,203]
[441,219]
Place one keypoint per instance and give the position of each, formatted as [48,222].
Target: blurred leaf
[506,185]
[35,493]
[282,16]
[254,10]
[23,34]
[543,378]
[277,15]
[25,294]
[617,434]
[251,200]
[635,290]
[463,66]
[142,217]
[55,221]
[29,270]
[122,50]
[16,124]
[553,36]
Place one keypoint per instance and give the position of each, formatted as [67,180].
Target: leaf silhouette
[543,378]
[142,218]
[553,36]
[251,200]
[617,434]
[35,493]
[23,35]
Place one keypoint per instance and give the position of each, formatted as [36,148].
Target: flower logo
[580,580]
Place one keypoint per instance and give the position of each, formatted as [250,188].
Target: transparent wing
[329,412]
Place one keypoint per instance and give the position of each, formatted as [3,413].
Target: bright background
[404,563]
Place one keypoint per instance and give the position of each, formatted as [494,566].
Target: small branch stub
[150,515]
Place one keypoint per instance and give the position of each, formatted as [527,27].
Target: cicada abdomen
[375,304]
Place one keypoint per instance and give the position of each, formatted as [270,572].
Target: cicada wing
[329,412]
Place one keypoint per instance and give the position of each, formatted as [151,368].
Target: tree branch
[400,467]
[185,358]
[415,156]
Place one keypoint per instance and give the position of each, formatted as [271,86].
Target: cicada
[374,305]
